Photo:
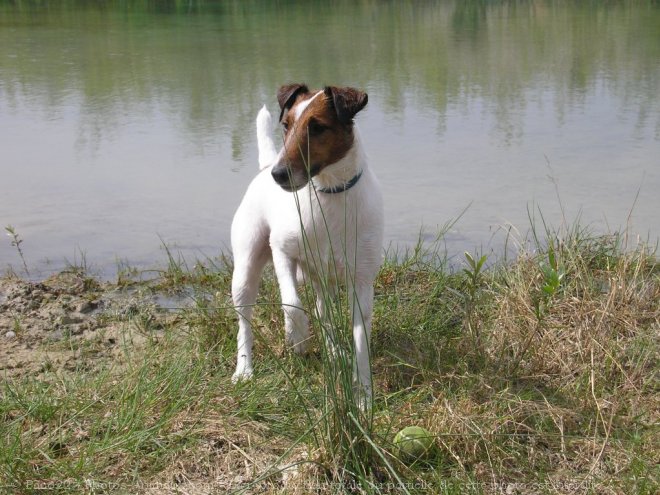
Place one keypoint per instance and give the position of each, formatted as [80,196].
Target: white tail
[267,152]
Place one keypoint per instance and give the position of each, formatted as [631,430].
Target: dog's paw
[301,347]
[298,342]
[242,374]
[296,330]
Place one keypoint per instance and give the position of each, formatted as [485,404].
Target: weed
[16,241]
[474,282]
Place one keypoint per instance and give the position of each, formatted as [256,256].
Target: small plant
[78,266]
[16,242]
[17,327]
[126,274]
[553,275]
[176,273]
[474,272]
[474,280]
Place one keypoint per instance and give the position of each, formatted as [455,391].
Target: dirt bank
[68,322]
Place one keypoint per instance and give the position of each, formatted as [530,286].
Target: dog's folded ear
[347,102]
[287,94]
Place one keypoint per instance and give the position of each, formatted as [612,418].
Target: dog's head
[318,130]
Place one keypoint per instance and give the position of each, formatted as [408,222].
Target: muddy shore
[70,322]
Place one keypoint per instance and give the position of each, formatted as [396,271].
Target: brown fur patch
[289,94]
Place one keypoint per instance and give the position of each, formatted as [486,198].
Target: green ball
[414,442]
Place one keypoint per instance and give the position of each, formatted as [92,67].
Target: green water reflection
[198,70]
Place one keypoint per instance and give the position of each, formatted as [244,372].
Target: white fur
[267,152]
[343,239]
[300,107]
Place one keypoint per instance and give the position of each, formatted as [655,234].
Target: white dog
[314,209]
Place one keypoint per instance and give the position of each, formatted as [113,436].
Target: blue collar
[343,187]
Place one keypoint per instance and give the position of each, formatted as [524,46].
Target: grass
[539,375]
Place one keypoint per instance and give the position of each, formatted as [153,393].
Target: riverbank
[534,376]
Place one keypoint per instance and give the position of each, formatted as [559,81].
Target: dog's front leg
[362,297]
[296,323]
[326,294]
[244,287]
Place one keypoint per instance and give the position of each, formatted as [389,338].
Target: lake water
[126,123]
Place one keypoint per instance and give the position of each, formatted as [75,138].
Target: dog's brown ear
[347,102]
[287,95]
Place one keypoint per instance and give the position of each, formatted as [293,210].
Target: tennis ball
[414,442]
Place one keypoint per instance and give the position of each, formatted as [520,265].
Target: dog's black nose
[280,174]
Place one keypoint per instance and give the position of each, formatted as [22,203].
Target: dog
[315,209]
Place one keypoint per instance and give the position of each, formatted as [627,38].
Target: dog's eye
[285,126]
[315,128]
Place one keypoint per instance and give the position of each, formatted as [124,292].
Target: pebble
[10,334]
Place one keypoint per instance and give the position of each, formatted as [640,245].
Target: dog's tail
[267,152]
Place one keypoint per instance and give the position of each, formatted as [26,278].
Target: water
[124,125]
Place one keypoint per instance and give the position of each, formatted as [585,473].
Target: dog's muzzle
[287,179]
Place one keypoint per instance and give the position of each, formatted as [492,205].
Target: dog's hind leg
[362,296]
[250,256]
[296,323]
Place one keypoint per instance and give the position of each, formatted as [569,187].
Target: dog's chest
[318,227]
